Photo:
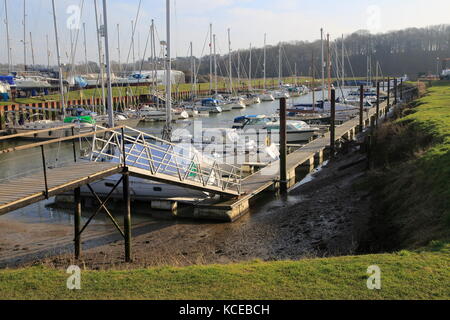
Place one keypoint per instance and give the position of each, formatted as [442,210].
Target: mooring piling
[361,107]
[388,93]
[333,124]
[378,104]
[127,214]
[401,89]
[395,91]
[77,222]
[283,147]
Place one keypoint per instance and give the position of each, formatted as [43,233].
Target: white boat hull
[144,190]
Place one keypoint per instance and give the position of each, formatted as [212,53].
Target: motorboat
[266,97]
[280,94]
[297,131]
[228,146]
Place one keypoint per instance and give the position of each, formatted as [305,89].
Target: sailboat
[280,93]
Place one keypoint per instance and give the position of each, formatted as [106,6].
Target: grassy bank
[410,185]
[405,275]
[411,180]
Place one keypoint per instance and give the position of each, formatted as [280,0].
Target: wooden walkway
[20,192]
[269,176]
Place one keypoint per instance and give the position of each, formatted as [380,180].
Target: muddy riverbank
[323,217]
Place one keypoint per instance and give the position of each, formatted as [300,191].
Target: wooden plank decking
[20,192]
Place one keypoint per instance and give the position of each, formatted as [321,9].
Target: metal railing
[153,156]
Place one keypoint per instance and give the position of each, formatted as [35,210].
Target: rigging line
[201,55]
[261,56]
[289,64]
[350,64]
[145,51]
[336,69]
[133,31]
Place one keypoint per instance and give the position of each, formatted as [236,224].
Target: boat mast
[279,64]
[32,49]
[322,66]
[7,38]
[295,73]
[167,131]
[24,36]
[155,78]
[239,68]
[132,44]
[210,57]
[192,71]
[100,60]
[329,67]
[250,70]
[229,62]
[313,78]
[343,62]
[58,56]
[264,66]
[118,48]
[215,65]
[108,66]
[85,48]
[48,52]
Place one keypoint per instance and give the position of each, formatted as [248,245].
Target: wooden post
[401,89]
[395,91]
[332,124]
[77,222]
[361,107]
[378,104]
[388,93]
[127,214]
[283,147]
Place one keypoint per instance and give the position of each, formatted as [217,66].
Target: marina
[230,150]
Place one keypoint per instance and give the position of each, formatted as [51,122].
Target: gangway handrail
[167,158]
[25,134]
[53,141]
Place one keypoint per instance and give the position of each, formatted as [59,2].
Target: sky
[248,20]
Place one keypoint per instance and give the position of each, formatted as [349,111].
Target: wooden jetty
[298,163]
[116,151]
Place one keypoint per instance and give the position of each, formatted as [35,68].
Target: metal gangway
[110,151]
[149,157]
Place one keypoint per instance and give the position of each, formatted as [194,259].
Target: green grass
[404,275]
[432,117]
[411,179]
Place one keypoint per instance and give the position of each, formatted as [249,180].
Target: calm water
[30,161]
